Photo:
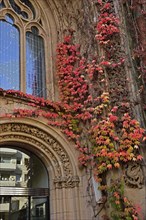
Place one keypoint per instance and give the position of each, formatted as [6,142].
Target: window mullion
[22,58]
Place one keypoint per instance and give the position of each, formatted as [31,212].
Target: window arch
[22,47]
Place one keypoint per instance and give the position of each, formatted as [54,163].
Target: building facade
[40,174]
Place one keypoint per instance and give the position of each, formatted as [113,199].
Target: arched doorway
[35,137]
[24,190]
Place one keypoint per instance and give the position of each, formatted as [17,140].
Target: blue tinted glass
[9,55]
[35,64]
[9,19]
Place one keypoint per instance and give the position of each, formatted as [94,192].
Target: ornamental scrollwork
[66,182]
[134,175]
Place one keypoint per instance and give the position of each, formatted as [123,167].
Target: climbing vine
[94,109]
[123,209]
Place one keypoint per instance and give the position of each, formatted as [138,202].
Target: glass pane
[39,208]
[9,55]
[21,169]
[4,207]
[35,64]
[19,208]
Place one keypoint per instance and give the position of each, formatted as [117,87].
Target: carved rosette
[64,177]
[134,175]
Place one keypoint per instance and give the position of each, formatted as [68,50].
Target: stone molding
[64,176]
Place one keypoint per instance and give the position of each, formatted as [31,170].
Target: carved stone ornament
[59,158]
[66,182]
[134,175]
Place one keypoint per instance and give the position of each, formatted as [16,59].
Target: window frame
[24,26]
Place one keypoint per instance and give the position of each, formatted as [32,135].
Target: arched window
[9,54]
[22,48]
[35,63]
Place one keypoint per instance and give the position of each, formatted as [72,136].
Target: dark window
[35,64]
[2,4]
[18,161]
